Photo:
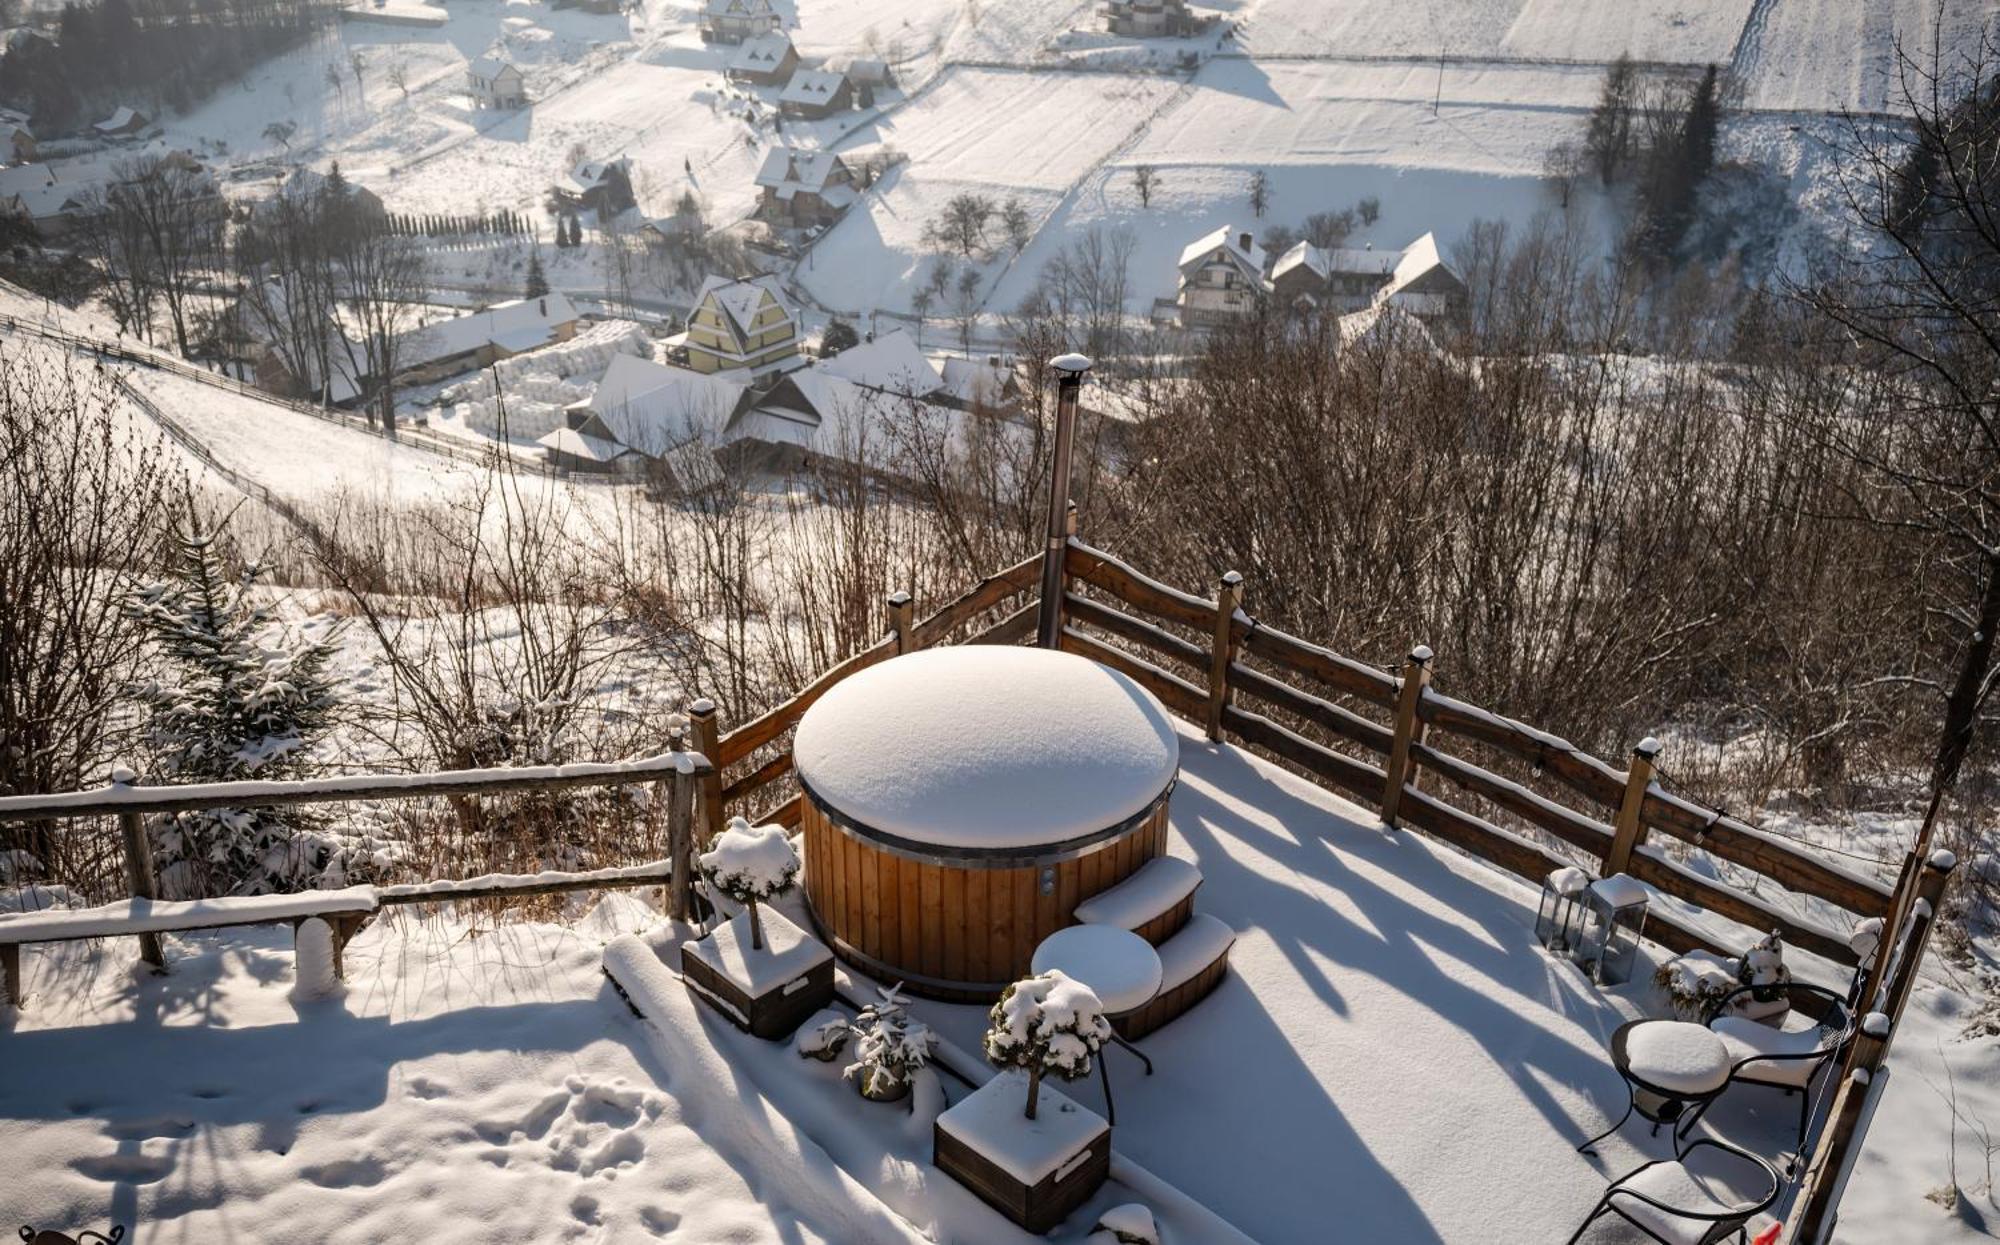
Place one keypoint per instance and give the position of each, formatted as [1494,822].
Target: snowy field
[1391,1058]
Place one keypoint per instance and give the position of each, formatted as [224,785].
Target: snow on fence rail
[678,773]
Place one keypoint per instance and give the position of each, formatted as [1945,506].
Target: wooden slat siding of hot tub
[909,919]
[878,881]
[1172,1004]
[1168,923]
[954,925]
[931,910]
[979,924]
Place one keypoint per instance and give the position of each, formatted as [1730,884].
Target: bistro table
[1668,1066]
[1122,970]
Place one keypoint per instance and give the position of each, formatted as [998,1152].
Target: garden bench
[345,911]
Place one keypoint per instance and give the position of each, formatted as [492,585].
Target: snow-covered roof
[490,67]
[652,408]
[891,362]
[977,380]
[987,747]
[740,297]
[1303,254]
[25,177]
[811,86]
[1417,259]
[789,169]
[739,8]
[516,326]
[867,69]
[761,54]
[1230,241]
[1361,261]
[125,118]
[581,445]
[1384,325]
[591,173]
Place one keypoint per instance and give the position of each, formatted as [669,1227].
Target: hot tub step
[1154,902]
[1192,962]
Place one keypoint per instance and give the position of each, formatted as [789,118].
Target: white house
[1346,279]
[733,21]
[892,363]
[494,83]
[1221,278]
[646,412]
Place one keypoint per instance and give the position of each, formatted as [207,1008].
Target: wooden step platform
[1154,903]
[1193,963]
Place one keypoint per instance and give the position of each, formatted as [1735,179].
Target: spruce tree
[1608,134]
[538,281]
[236,703]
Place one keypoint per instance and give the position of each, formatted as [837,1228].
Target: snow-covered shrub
[1129,1224]
[750,864]
[889,1047]
[1695,983]
[824,1036]
[238,702]
[1047,1023]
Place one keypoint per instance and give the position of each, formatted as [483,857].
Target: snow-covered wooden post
[1409,730]
[138,865]
[902,619]
[708,742]
[1069,384]
[1222,651]
[680,845]
[1630,831]
[1931,882]
[1812,1217]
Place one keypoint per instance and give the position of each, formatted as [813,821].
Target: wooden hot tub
[960,802]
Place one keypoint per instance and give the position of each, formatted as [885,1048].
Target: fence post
[680,845]
[1631,827]
[708,742]
[1812,1217]
[902,618]
[1409,730]
[1923,916]
[138,866]
[1222,651]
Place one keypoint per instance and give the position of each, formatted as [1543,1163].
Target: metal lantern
[1614,915]
[1560,914]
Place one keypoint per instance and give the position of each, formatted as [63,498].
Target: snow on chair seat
[343,910]
[1192,963]
[1154,902]
[1772,1056]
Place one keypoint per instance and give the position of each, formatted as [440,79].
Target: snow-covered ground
[1391,1058]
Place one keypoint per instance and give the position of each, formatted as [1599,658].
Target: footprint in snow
[361,1173]
[125,1168]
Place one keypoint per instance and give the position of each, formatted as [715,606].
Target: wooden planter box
[768,992]
[1036,1172]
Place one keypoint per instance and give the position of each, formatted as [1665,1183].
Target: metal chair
[1677,1202]
[1781,1058]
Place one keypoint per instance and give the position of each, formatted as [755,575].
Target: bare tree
[1260,193]
[379,281]
[1144,178]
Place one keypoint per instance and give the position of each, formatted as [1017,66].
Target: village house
[733,21]
[1221,278]
[1151,19]
[601,186]
[742,323]
[51,196]
[493,83]
[17,141]
[647,415]
[123,122]
[892,363]
[1415,278]
[992,384]
[813,94]
[303,183]
[803,188]
[766,60]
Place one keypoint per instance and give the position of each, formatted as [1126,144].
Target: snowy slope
[1832,54]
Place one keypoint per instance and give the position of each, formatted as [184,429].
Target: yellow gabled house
[742,323]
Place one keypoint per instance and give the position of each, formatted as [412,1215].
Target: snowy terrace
[1390,1057]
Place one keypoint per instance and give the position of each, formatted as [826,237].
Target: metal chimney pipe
[1069,383]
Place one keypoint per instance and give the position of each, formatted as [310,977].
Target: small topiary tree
[839,336]
[1046,1023]
[750,864]
[889,1047]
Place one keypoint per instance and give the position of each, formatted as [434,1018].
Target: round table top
[1120,967]
[1673,1056]
[987,747]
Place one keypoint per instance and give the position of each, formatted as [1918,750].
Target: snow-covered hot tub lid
[986,751]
